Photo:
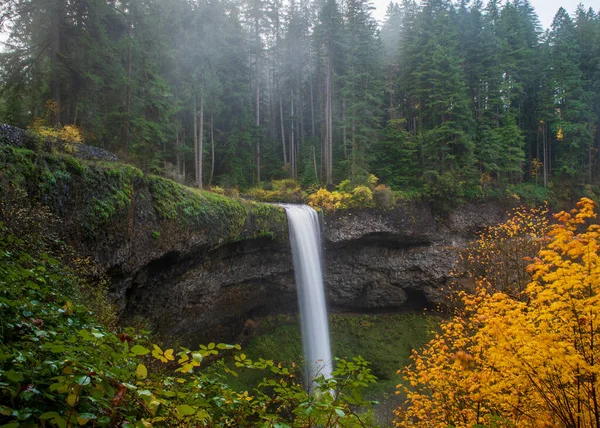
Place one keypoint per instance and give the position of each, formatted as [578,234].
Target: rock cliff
[197,265]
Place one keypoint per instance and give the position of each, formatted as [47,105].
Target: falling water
[305,237]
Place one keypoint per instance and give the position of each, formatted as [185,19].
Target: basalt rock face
[378,260]
[374,261]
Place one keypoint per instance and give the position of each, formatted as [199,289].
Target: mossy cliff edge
[126,220]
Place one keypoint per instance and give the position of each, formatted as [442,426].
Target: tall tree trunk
[314,156]
[177,153]
[55,41]
[300,109]
[344,138]
[201,142]
[257,72]
[312,107]
[545,151]
[196,169]
[329,113]
[292,142]
[128,87]
[283,143]
[212,151]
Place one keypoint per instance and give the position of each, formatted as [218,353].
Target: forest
[454,99]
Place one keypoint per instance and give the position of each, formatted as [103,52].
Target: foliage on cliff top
[96,195]
[60,367]
[530,361]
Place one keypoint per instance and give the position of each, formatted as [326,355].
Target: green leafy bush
[277,191]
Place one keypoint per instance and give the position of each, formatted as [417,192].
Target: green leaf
[13,376]
[49,415]
[185,410]
[340,413]
[57,349]
[85,335]
[139,350]
[11,425]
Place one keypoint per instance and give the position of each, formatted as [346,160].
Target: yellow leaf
[141,371]
[169,355]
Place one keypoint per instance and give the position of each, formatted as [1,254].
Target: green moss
[212,213]
[97,195]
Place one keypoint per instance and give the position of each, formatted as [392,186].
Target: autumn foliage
[501,253]
[520,360]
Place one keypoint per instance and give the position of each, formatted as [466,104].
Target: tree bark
[55,41]
[195,142]
[128,88]
[212,151]
[312,107]
[292,142]
[201,142]
[329,114]
[257,72]
[283,143]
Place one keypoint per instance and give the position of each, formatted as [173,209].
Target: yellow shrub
[362,197]
[329,201]
[69,135]
[373,180]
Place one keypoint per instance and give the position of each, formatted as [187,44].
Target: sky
[545,9]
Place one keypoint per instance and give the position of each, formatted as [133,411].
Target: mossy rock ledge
[134,224]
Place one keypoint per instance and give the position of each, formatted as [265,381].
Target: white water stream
[305,237]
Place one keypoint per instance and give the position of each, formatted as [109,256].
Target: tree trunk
[55,41]
[329,114]
[197,180]
[344,140]
[177,154]
[128,88]
[283,143]
[312,107]
[212,151]
[257,72]
[201,142]
[314,156]
[292,142]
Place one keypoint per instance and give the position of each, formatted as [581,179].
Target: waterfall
[305,237]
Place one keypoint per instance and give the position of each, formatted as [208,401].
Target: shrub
[328,201]
[67,136]
[384,197]
[345,186]
[524,359]
[362,197]
[277,191]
